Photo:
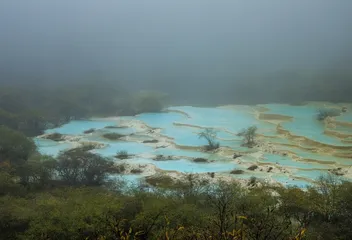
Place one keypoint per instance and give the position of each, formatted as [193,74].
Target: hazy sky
[172,40]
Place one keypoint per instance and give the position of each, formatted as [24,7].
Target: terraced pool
[179,128]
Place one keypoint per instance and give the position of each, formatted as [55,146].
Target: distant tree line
[33,109]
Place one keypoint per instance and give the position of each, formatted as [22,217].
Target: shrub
[120,168]
[200,160]
[122,154]
[248,135]
[323,113]
[77,167]
[54,137]
[252,181]
[113,136]
[148,101]
[113,127]
[237,171]
[164,181]
[253,167]
[151,141]
[136,171]
[89,131]
[14,146]
[209,134]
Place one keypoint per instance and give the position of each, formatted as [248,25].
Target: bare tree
[209,134]
[248,135]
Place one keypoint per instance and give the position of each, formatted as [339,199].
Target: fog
[194,50]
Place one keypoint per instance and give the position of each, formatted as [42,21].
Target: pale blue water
[123,131]
[288,162]
[160,120]
[49,147]
[182,153]
[305,154]
[187,166]
[345,117]
[229,119]
[291,181]
[79,126]
[130,147]
[304,122]
[311,174]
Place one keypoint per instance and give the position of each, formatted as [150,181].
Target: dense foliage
[34,109]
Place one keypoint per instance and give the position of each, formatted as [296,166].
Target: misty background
[199,52]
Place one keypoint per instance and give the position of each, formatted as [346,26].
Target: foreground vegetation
[71,197]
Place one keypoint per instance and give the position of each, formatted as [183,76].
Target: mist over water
[200,52]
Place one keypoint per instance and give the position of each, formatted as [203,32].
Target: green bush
[252,167]
[113,136]
[122,154]
[249,135]
[148,101]
[323,113]
[237,171]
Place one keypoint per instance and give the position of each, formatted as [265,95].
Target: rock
[253,167]
[55,137]
[200,160]
[237,171]
[344,109]
[89,131]
[337,171]
[151,141]
[269,169]
[237,155]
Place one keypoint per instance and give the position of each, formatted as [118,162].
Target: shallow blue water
[229,119]
[160,120]
[181,153]
[288,162]
[291,181]
[123,131]
[130,147]
[79,126]
[187,166]
[304,122]
[311,174]
[49,147]
[316,156]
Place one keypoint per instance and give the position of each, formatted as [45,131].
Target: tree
[323,113]
[248,135]
[77,167]
[209,134]
[15,147]
[148,101]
